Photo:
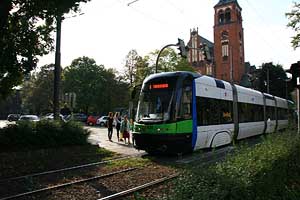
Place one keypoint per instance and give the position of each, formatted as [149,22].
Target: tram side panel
[214,113]
[282,113]
[270,113]
[250,112]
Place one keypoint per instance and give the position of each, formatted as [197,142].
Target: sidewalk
[99,137]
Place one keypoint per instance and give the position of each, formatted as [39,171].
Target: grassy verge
[270,170]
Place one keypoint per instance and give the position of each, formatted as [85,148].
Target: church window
[225,50]
[225,45]
[227,15]
[221,17]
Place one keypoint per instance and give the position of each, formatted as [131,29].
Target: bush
[270,170]
[43,134]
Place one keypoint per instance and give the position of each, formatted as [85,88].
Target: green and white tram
[181,112]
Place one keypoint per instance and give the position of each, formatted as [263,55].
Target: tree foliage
[25,34]
[137,68]
[97,89]
[294,23]
[37,92]
[277,78]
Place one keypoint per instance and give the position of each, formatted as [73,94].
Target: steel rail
[138,188]
[64,169]
[66,184]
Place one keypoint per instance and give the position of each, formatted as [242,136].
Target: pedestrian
[125,129]
[109,124]
[118,125]
[131,129]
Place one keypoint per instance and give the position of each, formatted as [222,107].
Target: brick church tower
[229,41]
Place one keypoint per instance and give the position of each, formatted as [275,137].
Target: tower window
[225,50]
[225,45]
[227,15]
[221,17]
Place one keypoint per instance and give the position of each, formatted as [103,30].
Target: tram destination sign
[159,86]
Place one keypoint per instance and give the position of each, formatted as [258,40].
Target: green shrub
[42,134]
[270,170]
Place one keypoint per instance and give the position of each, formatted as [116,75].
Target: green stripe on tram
[170,128]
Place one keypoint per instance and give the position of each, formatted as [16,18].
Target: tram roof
[171,74]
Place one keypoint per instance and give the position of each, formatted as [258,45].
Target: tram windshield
[156,101]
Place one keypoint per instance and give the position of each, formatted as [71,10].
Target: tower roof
[224,2]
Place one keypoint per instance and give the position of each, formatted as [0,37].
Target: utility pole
[268,79]
[57,68]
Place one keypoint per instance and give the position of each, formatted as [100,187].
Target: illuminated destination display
[159,86]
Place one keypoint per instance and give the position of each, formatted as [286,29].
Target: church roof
[224,2]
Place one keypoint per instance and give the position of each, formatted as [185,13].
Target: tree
[85,78]
[37,92]
[277,80]
[25,34]
[183,65]
[132,59]
[294,23]
[167,61]
[97,89]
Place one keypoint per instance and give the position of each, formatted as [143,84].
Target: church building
[223,59]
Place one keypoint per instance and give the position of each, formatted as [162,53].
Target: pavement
[99,137]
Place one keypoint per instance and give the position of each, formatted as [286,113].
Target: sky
[109,29]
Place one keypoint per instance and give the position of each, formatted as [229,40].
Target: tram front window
[155,103]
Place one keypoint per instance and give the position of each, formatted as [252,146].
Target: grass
[269,170]
[131,162]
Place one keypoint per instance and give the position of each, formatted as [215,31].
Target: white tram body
[213,135]
[257,113]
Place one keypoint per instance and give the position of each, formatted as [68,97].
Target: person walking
[109,125]
[118,125]
[125,129]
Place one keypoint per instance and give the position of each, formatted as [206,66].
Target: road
[99,137]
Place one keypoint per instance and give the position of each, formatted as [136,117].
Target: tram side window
[186,105]
[270,112]
[282,113]
[213,111]
[250,112]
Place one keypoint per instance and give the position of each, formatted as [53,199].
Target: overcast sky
[109,29]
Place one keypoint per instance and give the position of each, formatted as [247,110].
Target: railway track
[100,178]
[66,184]
[65,169]
[139,188]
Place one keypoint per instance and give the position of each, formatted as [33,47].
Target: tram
[180,112]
